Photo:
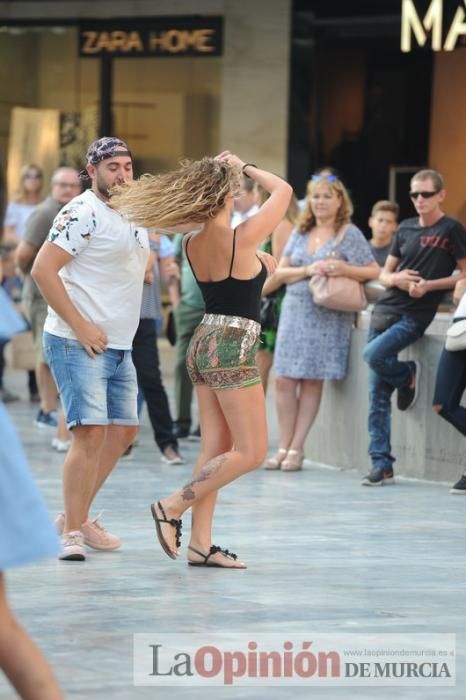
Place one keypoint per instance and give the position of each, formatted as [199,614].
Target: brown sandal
[173,522]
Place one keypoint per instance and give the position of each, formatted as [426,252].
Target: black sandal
[173,522]
[214,550]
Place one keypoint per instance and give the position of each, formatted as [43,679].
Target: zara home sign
[413,24]
[155,36]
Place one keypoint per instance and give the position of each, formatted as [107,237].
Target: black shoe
[127,452]
[378,476]
[196,434]
[179,432]
[460,486]
[407,395]
[170,455]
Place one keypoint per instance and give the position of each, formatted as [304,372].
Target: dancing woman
[221,356]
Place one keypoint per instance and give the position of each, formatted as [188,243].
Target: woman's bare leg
[287,398]
[244,412]
[21,660]
[215,440]
[62,432]
[264,360]
[308,408]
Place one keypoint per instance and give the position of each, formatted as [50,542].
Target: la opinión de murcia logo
[270,661]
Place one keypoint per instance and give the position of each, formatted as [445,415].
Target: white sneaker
[61,445]
[73,546]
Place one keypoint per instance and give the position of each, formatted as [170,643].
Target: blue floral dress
[313,342]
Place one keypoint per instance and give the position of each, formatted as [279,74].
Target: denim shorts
[222,352]
[93,391]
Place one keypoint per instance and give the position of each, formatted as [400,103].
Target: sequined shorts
[222,352]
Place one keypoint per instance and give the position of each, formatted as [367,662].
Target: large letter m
[410,23]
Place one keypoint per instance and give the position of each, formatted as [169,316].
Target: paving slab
[325,556]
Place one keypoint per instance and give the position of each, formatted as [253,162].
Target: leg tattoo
[206,472]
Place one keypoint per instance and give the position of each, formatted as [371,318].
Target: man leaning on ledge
[425,252]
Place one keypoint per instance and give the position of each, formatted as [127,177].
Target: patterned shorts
[222,352]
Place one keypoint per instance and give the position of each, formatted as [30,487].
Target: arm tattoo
[211,468]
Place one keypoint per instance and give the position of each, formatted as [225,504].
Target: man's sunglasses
[424,195]
[329,178]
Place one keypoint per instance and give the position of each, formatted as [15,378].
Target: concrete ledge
[425,445]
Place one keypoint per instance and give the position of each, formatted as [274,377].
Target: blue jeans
[93,391]
[449,388]
[387,373]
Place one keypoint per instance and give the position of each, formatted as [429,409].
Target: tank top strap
[188,239]
[232,253]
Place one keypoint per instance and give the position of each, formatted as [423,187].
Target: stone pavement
[326,557]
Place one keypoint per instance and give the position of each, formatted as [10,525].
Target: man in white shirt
[245,202]
[91,271]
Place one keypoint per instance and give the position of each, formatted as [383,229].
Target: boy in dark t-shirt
[383,223]
[424,253]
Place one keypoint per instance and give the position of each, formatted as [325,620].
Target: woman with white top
[25,200]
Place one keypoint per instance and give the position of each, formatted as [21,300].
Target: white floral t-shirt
[105,277]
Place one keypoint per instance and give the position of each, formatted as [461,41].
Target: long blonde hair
[307,219]
[194,193]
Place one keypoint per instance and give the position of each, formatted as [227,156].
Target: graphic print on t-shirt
[433,252]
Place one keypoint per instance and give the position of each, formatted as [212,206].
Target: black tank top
[232,296]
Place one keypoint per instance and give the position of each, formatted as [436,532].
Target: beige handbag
[456,337]
[338,293]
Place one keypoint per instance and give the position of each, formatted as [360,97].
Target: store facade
[377,91]
[175,79]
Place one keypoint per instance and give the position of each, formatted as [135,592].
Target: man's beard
[103,189]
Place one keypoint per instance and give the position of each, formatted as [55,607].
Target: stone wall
[425,445]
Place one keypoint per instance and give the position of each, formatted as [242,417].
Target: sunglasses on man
[424,194]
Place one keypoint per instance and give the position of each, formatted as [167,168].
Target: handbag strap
[339,238]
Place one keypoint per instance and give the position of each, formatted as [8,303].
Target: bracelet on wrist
[252,165]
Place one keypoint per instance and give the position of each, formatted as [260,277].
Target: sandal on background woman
[293,462]
[275,462]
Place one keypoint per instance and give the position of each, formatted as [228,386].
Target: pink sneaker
[73,546]
[97,537]
[94,534]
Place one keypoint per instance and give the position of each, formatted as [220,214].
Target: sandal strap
[213,550]
[201,554]
[177,524]
[216,549]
